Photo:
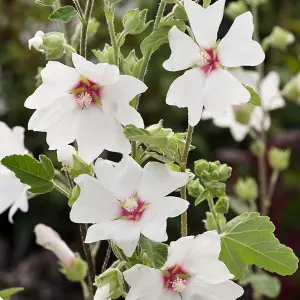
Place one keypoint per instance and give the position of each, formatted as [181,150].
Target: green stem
[186,151]
[106,259]
[79,9]
[212,210]
[273,182]
[85,290]
[109,15]
[61,188]
[84,27]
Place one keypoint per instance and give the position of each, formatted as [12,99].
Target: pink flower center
[132,208]
[87,93]
[175,278]
[211,62]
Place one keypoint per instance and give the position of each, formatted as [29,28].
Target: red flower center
[133,208]
[175,278]
[87,93]
[212,60]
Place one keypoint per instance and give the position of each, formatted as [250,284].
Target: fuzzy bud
[246,189]
[279,159]
[200,166]
[224,172]
[195,189]
[279,38]
[234,9]
[65,156]
[222,205]
[50,240]
[53,45]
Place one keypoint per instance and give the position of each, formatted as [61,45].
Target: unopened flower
[13,193]
[208,84]
[87,104]
[65,155]
[50,240]
[37,41]
[133,201]
[239,119]
[102,293]
[192,271]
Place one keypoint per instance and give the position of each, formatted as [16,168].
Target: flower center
[175,278]
[133,208]
[86,93]
[211,61]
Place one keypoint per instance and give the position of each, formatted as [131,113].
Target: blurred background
[22,263]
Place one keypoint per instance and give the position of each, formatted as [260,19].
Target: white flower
[13,193]
[37,41]
[88,103]
[65,155]
[271,100]
[192,271]
[102,293]
[127,200]
[50,240]
[207,83]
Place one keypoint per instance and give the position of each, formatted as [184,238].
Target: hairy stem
[186,151]
[106,260]
[212,210]
[270,193]
[84,28]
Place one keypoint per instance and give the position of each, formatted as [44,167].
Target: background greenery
[24,264]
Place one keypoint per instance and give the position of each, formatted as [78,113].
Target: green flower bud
[279,159]
[292,89]
[106,55]
[210,223]
[195,188]
[53,45]
[115,279]
[200,166]
[77,271]
[234,9]
[222,205]
[216,188]
[246,189]
[131,20]
[45,2]
[224,172]
[130,62]
[215,175]
[213,166]
[279,38]
[242,113]
[206,176]
[257,148]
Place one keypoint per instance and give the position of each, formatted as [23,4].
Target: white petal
[124,233]
[102,74]
[259,120]
[156,230]
[239,131]
[102,293]
[18,133]
[159,180]
[206,115]
[97,132]
[199,289]
[64,132]
[95,203]
[222,91]
[185,52]
[126,115]
[121,178]
[186,91]
[171,207]
[49,116]
[250,78]
[205,22]
[123,90]
[62,76]
[270,92]
[146,283]
[237,48]
[65,155]
[21,203]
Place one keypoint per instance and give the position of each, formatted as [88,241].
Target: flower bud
[210,223]
[215,175]
[234,9]
[131,20]
[50,240]
[200,166]
[106,55]
[114,278]
[37,41]
[77,271]
[246,189]
[194,188]
[53,45]
[279,159]
[292,89]
[129,63]
[279,38]
[242,113]
[222,205]
[65,156]
[216,188]
[206,176]
[224,172]
[214,166]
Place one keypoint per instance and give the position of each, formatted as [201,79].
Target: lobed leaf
[63,14]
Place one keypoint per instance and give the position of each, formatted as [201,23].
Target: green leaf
[160,35]
[5,294]
[255,98]
[63,14]
[38,175]
[248,239]
[263,284]
[157,252]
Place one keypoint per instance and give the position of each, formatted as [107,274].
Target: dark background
[22,263]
